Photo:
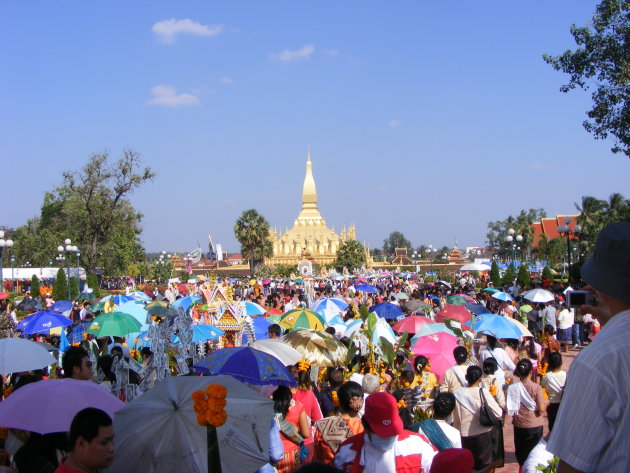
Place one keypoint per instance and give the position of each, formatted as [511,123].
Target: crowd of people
[371,416]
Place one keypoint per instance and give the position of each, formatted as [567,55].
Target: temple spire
[309,191]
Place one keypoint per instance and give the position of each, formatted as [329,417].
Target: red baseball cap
[453,460]
[381,413]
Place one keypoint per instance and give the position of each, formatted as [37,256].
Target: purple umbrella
[49,406]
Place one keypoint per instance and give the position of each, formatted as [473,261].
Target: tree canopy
[91,208]
[252,232]
[522,225]
[602,61]
[396,240]
[596,213]
[350,255]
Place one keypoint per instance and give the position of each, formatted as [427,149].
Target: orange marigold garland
[493,389]
[303,365]
[210,404]
[335,398]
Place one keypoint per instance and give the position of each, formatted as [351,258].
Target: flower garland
[542,371]
[402,404]
[209,405]
[303,365]
[493,390]
[335,398]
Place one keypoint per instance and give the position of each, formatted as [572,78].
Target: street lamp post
[68,249]
[12,260]
[415,260]
[8,244]
[510,238]
[568,232]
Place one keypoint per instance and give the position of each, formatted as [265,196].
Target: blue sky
[428,118]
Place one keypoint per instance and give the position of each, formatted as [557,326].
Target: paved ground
[511,465]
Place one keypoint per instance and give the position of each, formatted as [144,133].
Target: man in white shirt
[592,429]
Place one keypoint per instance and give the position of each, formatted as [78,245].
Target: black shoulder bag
[486,416]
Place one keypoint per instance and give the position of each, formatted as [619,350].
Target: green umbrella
[275,318]
[456,300]
[156,304]
[86,296]
[114,324]
[490,289]
[163,312]
[98,307]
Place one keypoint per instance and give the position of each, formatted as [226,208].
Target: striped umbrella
[251,308]
[297,319]
[329,307]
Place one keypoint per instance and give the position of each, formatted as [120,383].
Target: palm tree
[252,232]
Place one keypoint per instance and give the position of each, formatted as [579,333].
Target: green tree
[396,240]
[350,255]
[90,207]
[522,225]
[252,232]
[546,273]
[92,282]
[602,61]
[595,214]
[495,275]
[509,275]
[523,275]
[60,286]
[74,287]
[35,286]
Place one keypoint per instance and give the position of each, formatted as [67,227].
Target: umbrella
[3,295]
[387,310]
[539,295]
[411,324]
[159,433]
[119,299]
[60,307]
[29,304]
[285,353]
[302,318]
[317,347]
[366,288]
[42,321]
[17,354]
[153,304]
[401,296]
[524,330]
[496,325]
[49,406]
[415,306]
[430,329]
[139,296]
[490,289]
[185,302]
[261,324]
[76,332]
[251,308]
[114,324]
[445,284]
[476,308]
[86,296]
[502,296]
[274,311]
[202,333]
[382,329]
[329,307]
[161,311]
[247,365]
[137,310]
[475,267]
[456,300]
[339,325]
[457,312]
[439,349]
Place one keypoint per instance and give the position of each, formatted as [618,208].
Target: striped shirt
[593,425]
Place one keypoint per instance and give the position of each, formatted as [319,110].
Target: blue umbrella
[260,329]
[118,300]
[186,302]
[366,288]
[251,308]
[476,309]
[202,333]
[136,310]
[60,307]
[430,329]
[247,365]
[42,321]
[329,307]
[139,296]
[496,325]
[387,310]
[502,296]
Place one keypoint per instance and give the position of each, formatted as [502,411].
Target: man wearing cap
[385,446]
[592,430]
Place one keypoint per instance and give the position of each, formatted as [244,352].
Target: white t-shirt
[451,433]
[503,360]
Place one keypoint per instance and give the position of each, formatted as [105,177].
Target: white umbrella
[475,267]
[285,353]
[158,432]
[17,354]
[538,295]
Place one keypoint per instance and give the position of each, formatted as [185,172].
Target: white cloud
[167,95]
[394,124]
[227,80]
[167,30]
[539,166]
[287,55]
[332,52]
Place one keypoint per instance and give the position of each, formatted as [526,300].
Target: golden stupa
[309,239]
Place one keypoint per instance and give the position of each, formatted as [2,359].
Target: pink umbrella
[457,312]
[411,324]
[467,297]
[438,348]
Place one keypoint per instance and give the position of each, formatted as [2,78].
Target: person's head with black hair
[76,364]
[460,354]
[274,331]
[473,375]
[523,368]
[490,366]
[105,364]
[91,441]
[282,400]
[331,330]
[350,395]
[335,376]
[549,330]
[555,361]
[25,379]
[492,341]
[406,378]
[146,353]
[419,363]
[443,405]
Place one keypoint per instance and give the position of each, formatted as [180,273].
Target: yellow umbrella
[317,347]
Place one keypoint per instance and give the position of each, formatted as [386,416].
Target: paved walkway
[511,465]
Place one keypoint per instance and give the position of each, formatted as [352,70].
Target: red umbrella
[438,348]
[275,311]
[411,324]
[457,312]
[3,295]
[182,289]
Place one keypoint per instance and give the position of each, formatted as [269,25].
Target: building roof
[548,227]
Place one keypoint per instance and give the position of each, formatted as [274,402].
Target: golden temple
[310,238]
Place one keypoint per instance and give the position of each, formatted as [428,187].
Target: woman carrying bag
[476,426]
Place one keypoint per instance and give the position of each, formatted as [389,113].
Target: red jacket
[414,453]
